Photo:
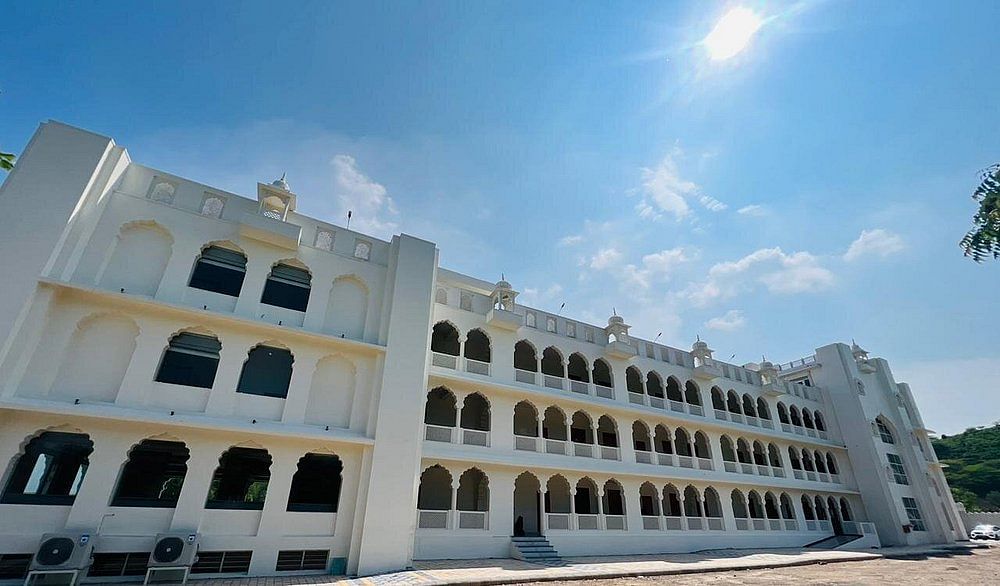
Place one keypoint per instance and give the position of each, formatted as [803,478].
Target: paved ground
[973,567]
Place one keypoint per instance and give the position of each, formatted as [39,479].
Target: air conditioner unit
[61,553]
[173,552]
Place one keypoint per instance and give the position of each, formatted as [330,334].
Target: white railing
[555,446]
[721,414]
[610,453]
[605,392]
[742,524]
[835,478]
[557,520]
[643,457]
[524,376]
[730,466]
[433,519]
[477,367]
[811,475]
[579,386]
[778,471]
[751,420]
[790,525]
[472,519]
[759,524]
[705,464]
[666,459]
[823,435]
[799,475]
[763,470]
[676,406]
[526,443]
[656,402]
[696,410]
[586,521]
[716,524]
[614,522]
[583,450]
[746,468]
[824,525]
[685,461]
[673,523]
[476,437]
[767,423]
[811,525]
[651,523]
[636,398]
[444,360]
[439,433]
[774,524]
[554,382]
[694,523]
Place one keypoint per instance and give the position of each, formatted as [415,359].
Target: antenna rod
[349,214]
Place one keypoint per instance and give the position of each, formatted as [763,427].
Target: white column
[175,279]
[273,519]
[297,400]
[222,399]
[248,304]
[141,371]
[194,492]
[91,502]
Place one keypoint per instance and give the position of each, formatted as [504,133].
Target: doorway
[527,506]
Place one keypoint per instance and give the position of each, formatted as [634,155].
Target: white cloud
[730,321]
[779,272]
[877,242]
[571,240]
[532,296]
[605,258]
[368,200]
[657,266]
[752,210]
[665,192]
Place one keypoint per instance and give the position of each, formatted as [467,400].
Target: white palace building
[195,380]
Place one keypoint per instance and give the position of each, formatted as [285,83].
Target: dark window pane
[14,566]
[240,481]
[50,471]
[153,475]
[316,484]
[219,270]
[285,295]
[266,372]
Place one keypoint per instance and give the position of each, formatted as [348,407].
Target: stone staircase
[534,548]
[833,542]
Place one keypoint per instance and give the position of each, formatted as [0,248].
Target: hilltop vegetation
[973,459]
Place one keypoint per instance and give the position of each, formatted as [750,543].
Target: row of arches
[138,259]
[53,465]
[653,385]
[101,348]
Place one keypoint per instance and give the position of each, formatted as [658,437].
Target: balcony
[504,319]
[453,362]
[619,350]
[584,522]
[270,230]
[707,372]
[452,519]
[456,435]
[562,384]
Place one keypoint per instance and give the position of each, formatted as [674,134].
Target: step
[534,548]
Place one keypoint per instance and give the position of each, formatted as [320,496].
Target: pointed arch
[445,338]
[577,368]
[138,258]
[633,380]
[672,506]
[602,374]
[674,389]
[96,358]
[641,440]
[525,419]
[762,409]
[434,493]
[733,402]
[554,424]
[552,362]
[525,356]
[475,413]
[692,394]
[473,491]
[347,308]
[654,384]
[478,346]
[718,399]
[441,407]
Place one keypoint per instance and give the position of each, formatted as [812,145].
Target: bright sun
[732,33]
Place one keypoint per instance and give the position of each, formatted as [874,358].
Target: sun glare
[732,33]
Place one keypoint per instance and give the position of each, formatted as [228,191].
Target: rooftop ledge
[207,317]
[277,232]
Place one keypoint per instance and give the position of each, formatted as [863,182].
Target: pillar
[141,372]
[194,492]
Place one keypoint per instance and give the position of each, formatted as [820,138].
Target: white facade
[179,358]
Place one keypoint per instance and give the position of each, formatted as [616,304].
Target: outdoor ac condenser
[173,552]
[61,553]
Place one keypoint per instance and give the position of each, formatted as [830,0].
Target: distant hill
[973,471]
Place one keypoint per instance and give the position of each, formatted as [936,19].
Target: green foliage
[973,471]
[6,161]
[983,240]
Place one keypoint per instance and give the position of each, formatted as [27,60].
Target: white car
[985,532]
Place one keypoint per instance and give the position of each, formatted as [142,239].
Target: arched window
[820,462]
[525,419]
[525,357]
[672,501]
[581,428]
[191,360]
[654,386]
[674,390]
[748,406]
[153,475]
[807,461]
[759,455]
[266,372]
[682,442]
[633,380]
[50,470]
[782,413]
[557,497]
[743,453]
[473,491]
[347,309]
[607,434]
[240,481]
[640,437]
[691,393]
[702,449]
[773,455]
[884,432]
[287,286]
[140,256]
[577,368]
[434,493]
[739,505]
[787,511]
[552,363]
[614,498]
[755,505]
[585,499]
[662,443]
[831,464]
[692,502]
[821,512]
[316,484]
[713,505]
[444,339]
[818,419]
[220,270]
[733,402]
[602,374]
[440,408]
[728,452]
[771,506]
[807,509]
[554,424]
[845,510]
[476,413]
[807,420]
[793,458]
[793,414]
[649,500]
[762,411]
[718,401]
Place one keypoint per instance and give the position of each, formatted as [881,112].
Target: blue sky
[811,189]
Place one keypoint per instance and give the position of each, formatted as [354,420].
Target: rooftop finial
[281,183]
[613,310]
